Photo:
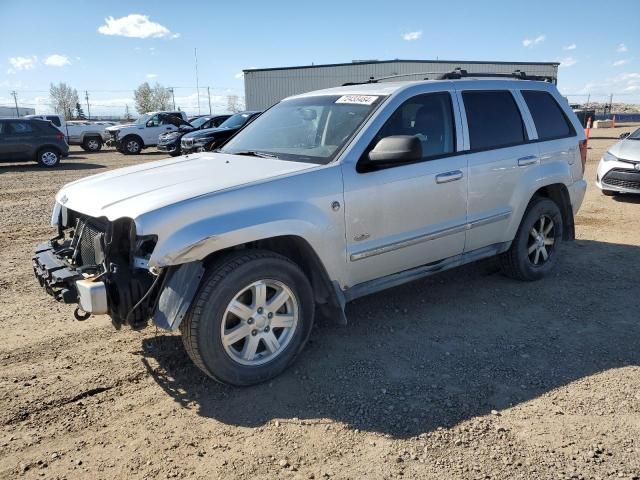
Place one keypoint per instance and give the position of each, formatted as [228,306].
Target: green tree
[149,99]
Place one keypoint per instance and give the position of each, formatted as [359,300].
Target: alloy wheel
[49,158]
[259,322]
[541,240]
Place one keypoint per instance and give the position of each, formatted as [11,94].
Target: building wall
[11,111]
[265,87]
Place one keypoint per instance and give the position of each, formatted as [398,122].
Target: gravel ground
[463,375]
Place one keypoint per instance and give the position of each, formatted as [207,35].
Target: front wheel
[131,146]
[250,319]
[534,251]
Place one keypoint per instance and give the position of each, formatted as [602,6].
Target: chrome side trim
[390,247]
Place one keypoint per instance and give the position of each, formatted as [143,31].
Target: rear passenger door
[17,139]
[499,156]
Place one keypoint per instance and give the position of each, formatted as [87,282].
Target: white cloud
[135,26]
[152,75]
[568,62]
[619,63]
[621,48]
[22,63]
[56,60]
[571,46]
[530,42]
[410,36]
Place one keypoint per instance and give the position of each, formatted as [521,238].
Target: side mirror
[624,135]
[397,148]
[150,123]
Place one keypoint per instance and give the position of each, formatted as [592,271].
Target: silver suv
[326,197]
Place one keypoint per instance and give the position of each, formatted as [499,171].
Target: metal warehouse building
[265,86]
[11,111]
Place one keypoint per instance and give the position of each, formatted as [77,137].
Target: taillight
[583,154]
[60,136]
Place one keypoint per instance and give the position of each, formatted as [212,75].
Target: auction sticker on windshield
[357,99]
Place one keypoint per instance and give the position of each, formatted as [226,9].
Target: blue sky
[109,47]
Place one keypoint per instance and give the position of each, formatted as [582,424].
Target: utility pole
[173,97]
[14,94]
[588,98]
[610,103]
[209,95]
[197,81]
[86,96]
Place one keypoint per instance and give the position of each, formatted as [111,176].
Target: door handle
[449,176]
[528,160]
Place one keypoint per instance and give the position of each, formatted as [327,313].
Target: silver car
[326,197]
[619,167]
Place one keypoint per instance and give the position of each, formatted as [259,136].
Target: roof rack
[459,73]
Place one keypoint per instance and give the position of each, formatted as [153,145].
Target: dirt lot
[462,375]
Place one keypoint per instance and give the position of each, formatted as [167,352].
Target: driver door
[407,215]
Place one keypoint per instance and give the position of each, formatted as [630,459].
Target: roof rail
[459,73]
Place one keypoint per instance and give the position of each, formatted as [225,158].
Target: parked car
[170,141]
[32,140]
[619,167]
[326,197]
[208,139]
[132,138]
[89,135]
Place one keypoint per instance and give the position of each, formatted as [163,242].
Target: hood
[208,132]
[627,150]
[133,191]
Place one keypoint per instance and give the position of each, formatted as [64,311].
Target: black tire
[609,193]
[175,153]
[48,157]
[517,262]
[201,328]
[131,145]
[92,144]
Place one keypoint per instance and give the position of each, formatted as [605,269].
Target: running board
[395,279]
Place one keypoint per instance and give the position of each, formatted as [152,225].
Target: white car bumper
[618,176]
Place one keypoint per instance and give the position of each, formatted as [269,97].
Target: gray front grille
[86,234]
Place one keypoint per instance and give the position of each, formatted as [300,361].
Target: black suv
[170,142]
[210,138]
[31,139]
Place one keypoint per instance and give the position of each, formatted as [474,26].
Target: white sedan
[619,168]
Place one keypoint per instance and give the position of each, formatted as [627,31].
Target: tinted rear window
[494,119]
[20,128]
[54,120]
[547,115]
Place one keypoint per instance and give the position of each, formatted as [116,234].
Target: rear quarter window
[54,120]
[548,117]
[493,118]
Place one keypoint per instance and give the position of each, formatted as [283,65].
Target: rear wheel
[534,251]
[48,157]
[92,144]
[250,319]
[131,146]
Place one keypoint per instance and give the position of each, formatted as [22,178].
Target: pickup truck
[89,135]
[132,138]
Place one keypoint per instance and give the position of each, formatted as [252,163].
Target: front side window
[547,115]
[493,118]
[428,117]
[20,128]
[309,129]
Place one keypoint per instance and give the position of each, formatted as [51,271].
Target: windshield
[143,120]
[198,122]
[635,135]
[309,129]
[235,121]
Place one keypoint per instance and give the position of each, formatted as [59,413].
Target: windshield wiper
[254,153]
